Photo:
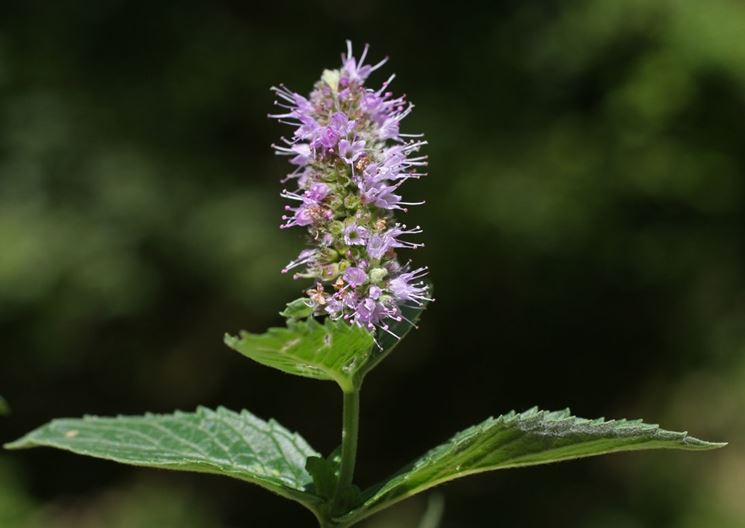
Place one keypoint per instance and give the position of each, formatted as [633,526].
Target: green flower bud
[386,299]
[331,77]
[330,271]
[352,201]
[329,176]
[336,203]
[336,228]
[329,255]
[377,275]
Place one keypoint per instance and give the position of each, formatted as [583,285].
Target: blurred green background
[585,229]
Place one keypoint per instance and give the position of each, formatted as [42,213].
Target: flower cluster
[351,159]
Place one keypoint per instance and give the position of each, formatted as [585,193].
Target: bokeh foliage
[585,229]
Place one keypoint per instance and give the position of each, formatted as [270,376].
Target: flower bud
[377,275]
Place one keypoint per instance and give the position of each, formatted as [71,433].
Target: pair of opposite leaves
[242,446]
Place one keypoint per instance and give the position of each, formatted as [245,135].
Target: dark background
[584,227]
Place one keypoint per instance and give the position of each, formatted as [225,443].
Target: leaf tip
[696,443]
[21,443]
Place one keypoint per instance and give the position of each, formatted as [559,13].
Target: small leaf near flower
[297,309]
[334,350]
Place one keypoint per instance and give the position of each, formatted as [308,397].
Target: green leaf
[297,309]
[324,476]
[334,350]
[222,442]
[325,473]
[516,440]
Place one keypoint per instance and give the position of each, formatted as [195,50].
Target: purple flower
[307,129]
[355,277]
[312,196]
[378,245]
[390,128]
[355,235]
[381,195]
[387,199]
[305,215]
[298,106]
[334,307]
[306,256]
[398,230]
[341,124]
[371,103]
[368,313]
[350,151]
[349,298]
[355,71]
[300,152]
[326,137]
[403,289]
[317,192]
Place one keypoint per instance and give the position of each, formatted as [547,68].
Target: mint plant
[350,160]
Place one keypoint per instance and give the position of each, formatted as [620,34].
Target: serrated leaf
[222,442]
[516,440]
[334,350]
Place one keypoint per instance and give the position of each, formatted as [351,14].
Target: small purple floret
[355,277]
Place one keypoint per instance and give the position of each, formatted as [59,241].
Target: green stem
[349,435]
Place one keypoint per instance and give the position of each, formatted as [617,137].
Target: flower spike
[350,160]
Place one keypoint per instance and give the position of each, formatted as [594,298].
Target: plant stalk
[349,434]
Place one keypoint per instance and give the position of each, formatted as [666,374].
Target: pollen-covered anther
[362,163]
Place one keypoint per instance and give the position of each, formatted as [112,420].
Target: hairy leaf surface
[515,440]
[223,442]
